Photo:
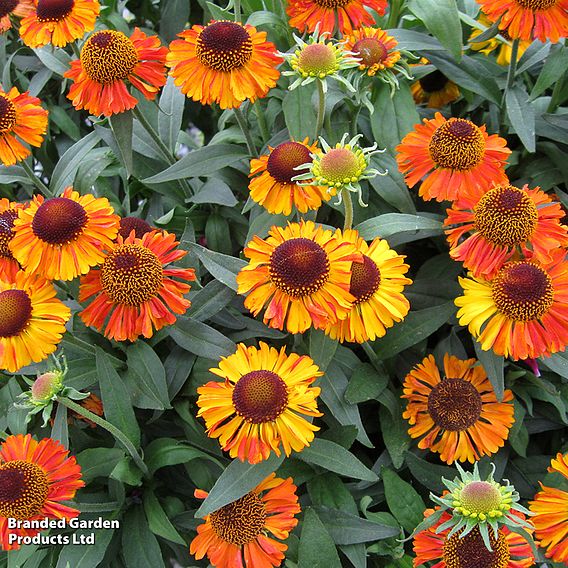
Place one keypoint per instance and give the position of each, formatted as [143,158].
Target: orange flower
[134,289]
[550,508]
[435,90]
[501,222]
[237,534]
[302,273]
[64,236]
[455,155]
[457,415]
[305,15]
[509,550]
[274,188]
[109,59]
[19,8]
[58,22]
[529,19]
[8,214]
[34,478]
[374,47]
[21,116]
[223,62]
[520,313]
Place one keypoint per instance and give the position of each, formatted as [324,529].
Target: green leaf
[522,115]
[429,474]
[116,399]
[197,337]
[442,19]
[210,300]
[57,60]
[98,462]
[85,556]
[322,348]
[144,362]
[202,162]
[174,15]
[127,472]
[366,383]
[403,500]
[164,452]
[395,433]
[494,366]
[518,435]
[394,117]
[237,480]
[317,549]
[172,102]
[336,458]
[139,545]
[69,163]
[121,126]
[346,528]
[224,268]
[61,118]
[60,430]
[299,112]
[158,521]
[558,362]
[328,490]
[411,40]
[555,65]
[399,227]
[416,326]
[214,191]
[218,234]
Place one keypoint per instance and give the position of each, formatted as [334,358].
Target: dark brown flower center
[371,51]
[6,7]
[471,552]
[506,216]
[224,46]
[522,291]
[131,274]
[6,231]
[284,158]
[108,56]
[299,267]
[23,489]
[59,221]
[7,113]
[241,521]
[15,312]
[457,144]
[537,4]
[454,404]
[331,4]
[365,279]
[139,226]
[433,82]
[53,10]
[260,396]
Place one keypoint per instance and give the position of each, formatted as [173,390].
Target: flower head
[342,167]
[63,237]
[456,413]
[8,214]
[35,477]
[21,118]
[19,8]
[522,311]
[455,155]
[238,533]
[261,403]
[488,229]
[301,273]
[467,549]
[223,62]
[271,182]
[108,60]
[529,19]
[134,289]
[434,90]
[374,48]
[139,226]
[377,284]
[58,22]
[550,510]
[307,15]
[32,320]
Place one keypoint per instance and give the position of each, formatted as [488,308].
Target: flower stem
[75,49]
[348,203]
[321,109]
[35,180]
[261,121]
[237,10]
[118,434]
[513,63]
[394,13]
[246,131]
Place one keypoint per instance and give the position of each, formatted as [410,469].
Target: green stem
[237,10]
[261,121]
[321,109]
[3,434]
[75,49]
[354,129]
[35,180]
[394,13]
[513,63]
[118,434]
[246,131]
[348,203]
